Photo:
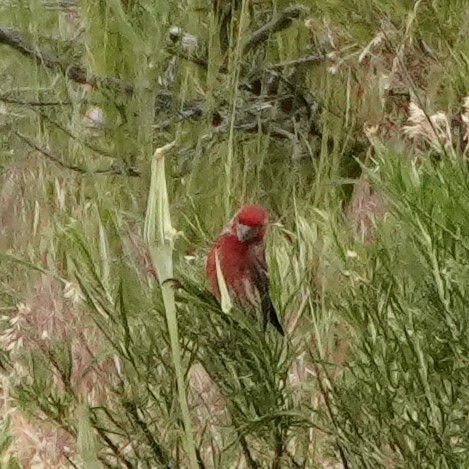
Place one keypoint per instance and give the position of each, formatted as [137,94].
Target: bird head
[250,224]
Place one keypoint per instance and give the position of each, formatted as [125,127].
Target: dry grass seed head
[44,320]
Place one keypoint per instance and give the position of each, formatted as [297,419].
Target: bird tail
[270,314]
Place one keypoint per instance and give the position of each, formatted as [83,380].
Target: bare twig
[162,456]
[250,461]
[281,22]
[200,61]
[96,149]
[112,170]
[64,5]
[20,102]
[49,155]
[111,445]
[187,47]
[293,460]
[329,405]
[191,113]
[311,59]
[75,73]
[279,449]
[7,99]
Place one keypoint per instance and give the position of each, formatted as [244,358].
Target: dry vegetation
[348,119]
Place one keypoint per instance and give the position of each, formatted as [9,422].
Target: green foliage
[5,437]
[109,375]
[8,461]
[407,303]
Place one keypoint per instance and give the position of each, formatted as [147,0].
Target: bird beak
[245,232]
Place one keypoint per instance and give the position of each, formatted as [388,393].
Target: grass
[408,301]
[105,367]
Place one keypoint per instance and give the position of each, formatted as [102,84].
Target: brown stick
[112,170]
[282,21]
[311,59]
[75,73]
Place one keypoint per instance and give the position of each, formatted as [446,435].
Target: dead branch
[285,104]
[49,155]
[7,99]
[281,22]
[311,59]
[187,47]
[63,5]
[20,102]
[112,170]
[75,73]
[71,135]
[200,61]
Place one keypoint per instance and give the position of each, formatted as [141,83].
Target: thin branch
[19,102]
[186,46]
[112,170]
[250,461]
[329,405]
[279,449]
[96,149]
[200,61]
[200,461]
[293,460]
[49,155]
[281,22]
[75,73]
[4,98]
[112,446]
[159,452]
[67,457]
[311,59]
[192,113]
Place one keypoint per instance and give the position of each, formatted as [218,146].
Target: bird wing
[260,278]
[210,268]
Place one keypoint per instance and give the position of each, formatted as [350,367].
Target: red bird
[241,255]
